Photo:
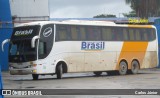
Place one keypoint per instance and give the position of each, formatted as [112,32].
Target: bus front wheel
[59,71]
[35,76]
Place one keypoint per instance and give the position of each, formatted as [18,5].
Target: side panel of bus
[82,60]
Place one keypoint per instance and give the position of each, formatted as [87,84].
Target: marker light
[34,71]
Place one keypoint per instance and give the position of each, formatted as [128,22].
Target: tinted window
[74,33]
[93,33]
[106,34]
[151,34]
[119,34]
[131,34]
[144,34]
[137,35]
[125,34]
[61,33]
[21,51]
[46,40]
[82,33]
[98,33]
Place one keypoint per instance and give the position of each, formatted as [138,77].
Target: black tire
[59,71]
[123,68]
[134,67]
[97,73]
[35,76]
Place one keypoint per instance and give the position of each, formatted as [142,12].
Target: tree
[130,14]
[104,16]
[145,8]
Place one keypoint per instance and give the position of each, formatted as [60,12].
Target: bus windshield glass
[20,49]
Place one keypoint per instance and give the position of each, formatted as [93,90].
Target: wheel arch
[137,61]
[124,61]
[64,66]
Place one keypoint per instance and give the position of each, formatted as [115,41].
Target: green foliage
[130,14]
[145,8]
[104,16]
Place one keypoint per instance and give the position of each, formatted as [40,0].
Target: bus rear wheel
[123,68]
[35,76]
[59,71]
[97,73]
[134,67]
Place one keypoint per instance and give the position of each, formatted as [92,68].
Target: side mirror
[33,41]
[4,42]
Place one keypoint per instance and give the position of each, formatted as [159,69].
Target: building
[20,11]
[29,10]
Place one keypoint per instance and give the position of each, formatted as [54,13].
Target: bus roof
[85,22]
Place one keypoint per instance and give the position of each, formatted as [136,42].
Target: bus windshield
[21,51]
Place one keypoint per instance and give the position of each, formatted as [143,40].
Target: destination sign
[25,32]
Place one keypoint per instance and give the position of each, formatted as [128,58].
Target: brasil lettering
[25,32]
[93,45]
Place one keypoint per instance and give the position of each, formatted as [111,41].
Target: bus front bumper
[22,71]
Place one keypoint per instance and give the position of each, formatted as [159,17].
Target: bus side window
[74,33]
[68,33]
[125,34]
[42,48]
[131,34]
[82,32]
[152,35]
[153,32]
[137,35]
[90,33]
[106,34]
[114,34]
[63,33]
[119,34]
[93,33]
[97,33]
[144,35]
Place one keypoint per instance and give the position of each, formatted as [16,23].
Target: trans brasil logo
[47,32]
[88,45]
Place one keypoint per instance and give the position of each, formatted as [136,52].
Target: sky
[86,8]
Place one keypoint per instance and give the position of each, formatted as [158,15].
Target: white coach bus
[52,47]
